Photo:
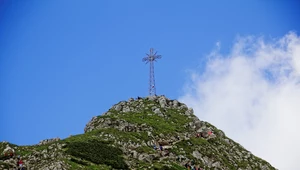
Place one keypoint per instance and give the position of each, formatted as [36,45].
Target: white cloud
[253,95]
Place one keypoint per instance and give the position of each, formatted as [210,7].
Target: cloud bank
[253,95]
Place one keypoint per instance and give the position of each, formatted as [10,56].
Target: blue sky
[64,61]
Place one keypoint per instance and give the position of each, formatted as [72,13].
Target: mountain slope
[142,133]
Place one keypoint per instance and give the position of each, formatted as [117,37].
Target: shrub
[79,162]
[98,152]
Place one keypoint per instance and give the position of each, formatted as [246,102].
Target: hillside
[143,133]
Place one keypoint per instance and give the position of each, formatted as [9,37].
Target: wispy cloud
[253,94]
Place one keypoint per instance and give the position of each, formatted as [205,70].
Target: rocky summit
[143,133]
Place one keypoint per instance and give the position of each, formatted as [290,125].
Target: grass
[168,166]
[199,141]
[145,149]
[91,166]
[170,125]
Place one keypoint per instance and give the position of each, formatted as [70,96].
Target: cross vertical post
[151,57]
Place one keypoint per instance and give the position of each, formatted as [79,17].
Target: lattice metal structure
[151,57]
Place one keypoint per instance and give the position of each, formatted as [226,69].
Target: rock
[126,109]
[146,158]
[158,112]
[161,135]
[168,147]
[162,101]
[163,142]
[8,149]
[130,100]
[44,151]
[153,108]
[189,112]
[207,161]
[216,164]
[118,107]
[50,147]
[175,103]
[197,155]
[152,98]
[197,125]
[221,133]
[46,141]
[134,154]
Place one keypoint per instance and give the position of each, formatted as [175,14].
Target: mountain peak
[143,133]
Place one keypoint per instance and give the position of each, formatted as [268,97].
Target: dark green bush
[98,152]
[5,166]
[166,168]
[79,161]
[163,168]
[4,157]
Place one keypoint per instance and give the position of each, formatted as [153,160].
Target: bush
[79,162]
[98,152]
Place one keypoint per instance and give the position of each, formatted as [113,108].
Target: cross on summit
[151,57]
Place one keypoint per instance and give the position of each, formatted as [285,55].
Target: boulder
[197,155]
[189,112]
[118,107]
[175,103]
[162,101]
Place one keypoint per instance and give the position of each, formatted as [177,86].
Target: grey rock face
[162,101]
[152,98]
[216,164]
[158,112]
[126,109]
[130,99]
[183,106]
[189,112]
[8,149]
[197,155]
[227,141]
[118,107]
[175,103]
[46,141]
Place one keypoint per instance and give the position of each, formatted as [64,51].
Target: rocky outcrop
[46,141]
[8,149]
[49,157]
[137,106]
[42,156]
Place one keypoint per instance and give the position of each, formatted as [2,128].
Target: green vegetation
[177,167]
[6,166]
[145,149]
[23,152]
[4,157]
[170,124]
[98,152]
[172,166]
[199,141]
[91,166]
